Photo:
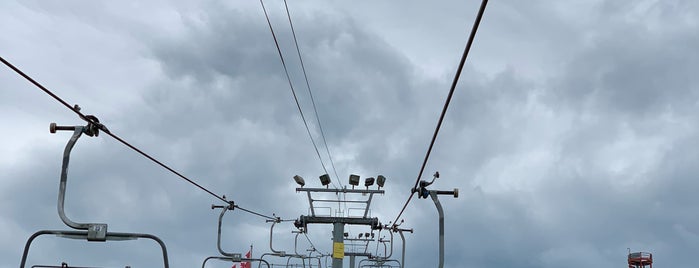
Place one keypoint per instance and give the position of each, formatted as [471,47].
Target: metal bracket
[97,232]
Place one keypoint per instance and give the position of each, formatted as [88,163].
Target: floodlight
[369,181]
[346,234]
[360,235]
[380,181]
[367,235]
[299,180]
[354,180]
[325,179]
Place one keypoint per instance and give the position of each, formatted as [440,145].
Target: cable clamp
[93,124]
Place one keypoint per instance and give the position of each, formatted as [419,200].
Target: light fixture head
[299,180]
[367,235]
[369,181]
[324,179]
[360,235]
[354,180]
[380,181]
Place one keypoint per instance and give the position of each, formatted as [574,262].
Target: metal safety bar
[83,234]
[386,255]
[378,263]
[63,265]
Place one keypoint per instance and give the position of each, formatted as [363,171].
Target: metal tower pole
[338,244]
[402,256]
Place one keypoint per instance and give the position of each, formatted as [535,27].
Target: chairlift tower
[339,223]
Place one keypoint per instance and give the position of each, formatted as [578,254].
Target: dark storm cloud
[616,113]
[644,72]
[570,142]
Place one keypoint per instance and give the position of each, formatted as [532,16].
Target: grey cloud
[592,159]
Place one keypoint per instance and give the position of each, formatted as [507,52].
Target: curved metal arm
[279,253]
[97,229]
[262,257]
[234,260]
[391,254]
[218,241]
[296,240]
[402,255]
[434,194]
[271,233]
[83,235]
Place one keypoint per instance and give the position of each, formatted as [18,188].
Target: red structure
[640,260]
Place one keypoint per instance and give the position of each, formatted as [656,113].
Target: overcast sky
[572,135]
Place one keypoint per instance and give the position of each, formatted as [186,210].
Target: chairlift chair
[91,232]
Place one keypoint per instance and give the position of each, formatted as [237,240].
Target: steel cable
[471,37]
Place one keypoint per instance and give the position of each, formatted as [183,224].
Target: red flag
[246,264]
